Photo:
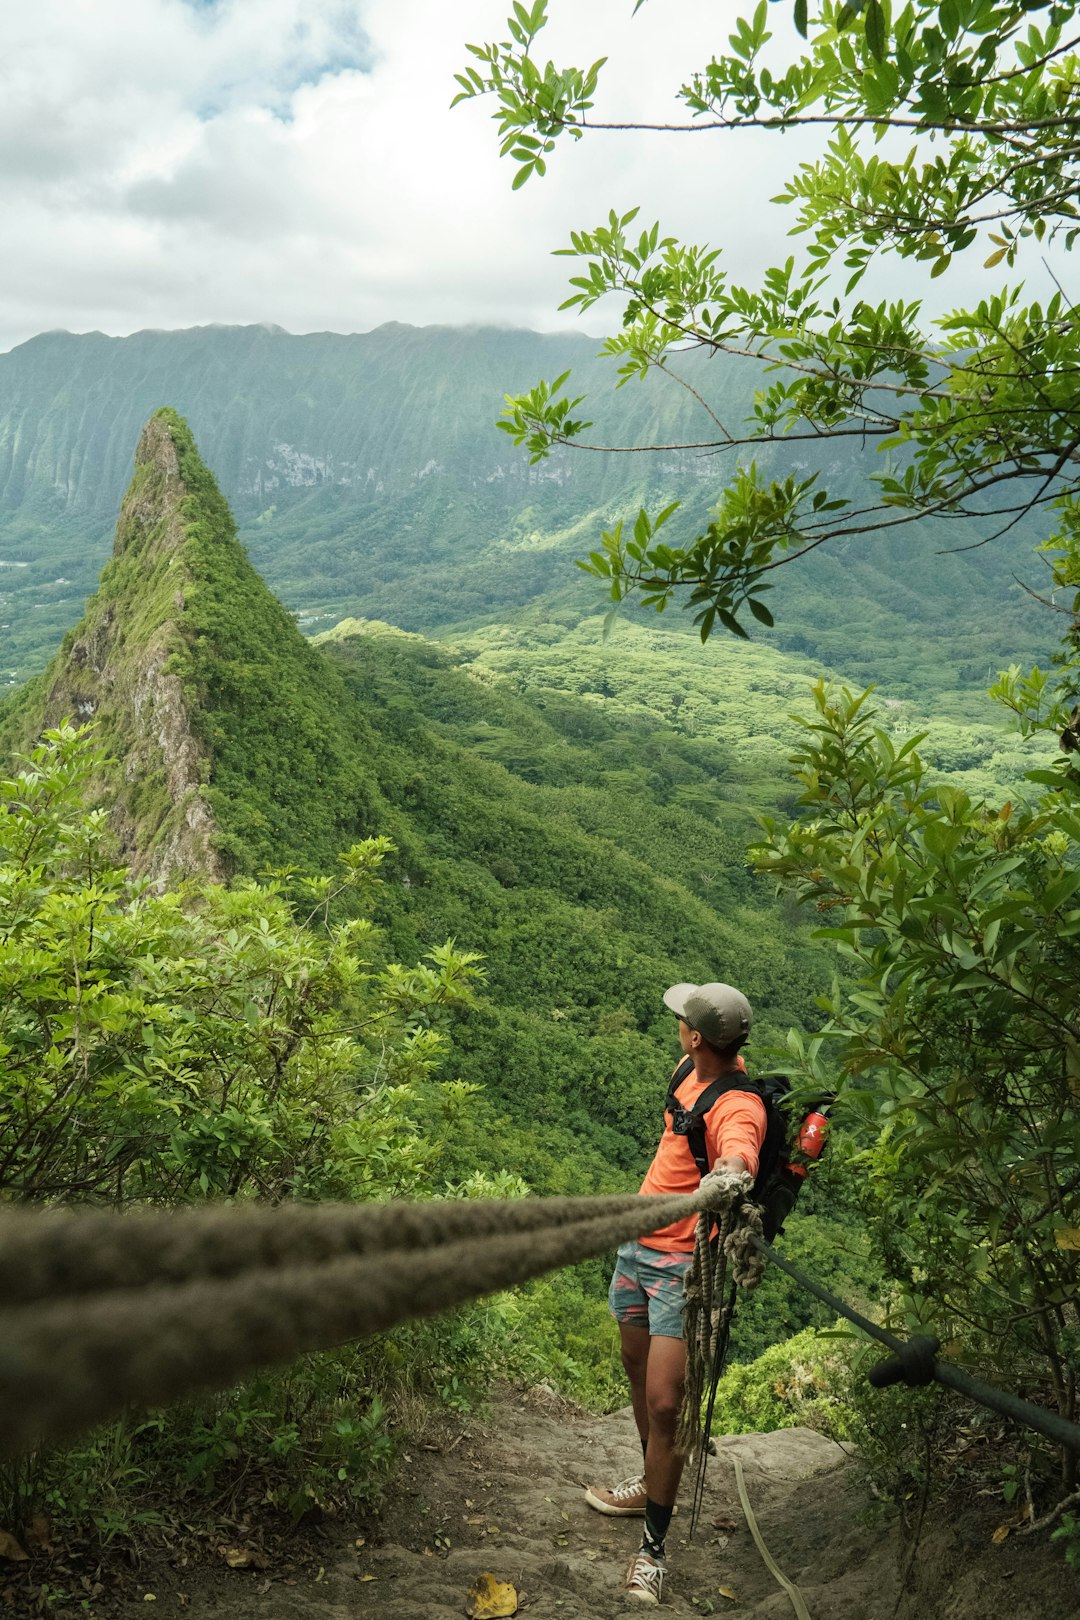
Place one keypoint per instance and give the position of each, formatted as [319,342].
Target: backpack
[778,1181]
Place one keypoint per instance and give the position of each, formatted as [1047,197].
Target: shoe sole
[601,1506]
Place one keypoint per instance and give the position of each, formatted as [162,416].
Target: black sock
[657,1519]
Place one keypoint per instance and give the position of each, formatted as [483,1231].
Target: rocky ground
[504,1498]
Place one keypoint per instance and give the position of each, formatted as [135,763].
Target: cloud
[175,162]
[171,162]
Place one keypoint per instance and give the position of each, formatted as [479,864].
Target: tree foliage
[951,129]
[959,1049]
[978,419]
[156,1047]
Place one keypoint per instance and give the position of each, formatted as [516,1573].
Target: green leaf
[847,14]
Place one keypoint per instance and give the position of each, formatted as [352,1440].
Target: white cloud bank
[168,163]
[175,162]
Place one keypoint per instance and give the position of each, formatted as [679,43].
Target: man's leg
[664,1380]
[664,1377]
[630,1307]
[635,1360]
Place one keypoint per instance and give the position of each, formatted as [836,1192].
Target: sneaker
[625,1501]
[644,1579]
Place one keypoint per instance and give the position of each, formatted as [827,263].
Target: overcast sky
[175,162]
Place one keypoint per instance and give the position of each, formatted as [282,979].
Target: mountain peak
[121,667]
[233,743]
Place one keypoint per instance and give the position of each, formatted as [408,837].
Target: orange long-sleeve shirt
[734,1124]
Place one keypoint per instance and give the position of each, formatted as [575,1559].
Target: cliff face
[233,744]
[121,668]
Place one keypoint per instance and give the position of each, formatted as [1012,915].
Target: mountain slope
[369,479]
[117,668]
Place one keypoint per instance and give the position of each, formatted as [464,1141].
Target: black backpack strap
[709,1097]
[683,1072]
[690,1122]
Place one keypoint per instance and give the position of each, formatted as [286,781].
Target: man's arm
[735,1130]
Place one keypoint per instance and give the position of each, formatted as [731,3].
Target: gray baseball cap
[719,1012]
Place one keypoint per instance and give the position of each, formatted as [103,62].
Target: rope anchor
[914,1364]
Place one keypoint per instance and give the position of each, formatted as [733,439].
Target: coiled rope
[103,1311]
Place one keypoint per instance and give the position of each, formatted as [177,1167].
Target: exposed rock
[116,670]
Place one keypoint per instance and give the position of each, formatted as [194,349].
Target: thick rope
[103,1311]
[59,1253]
[1062,1431]
[107,1311]
[708,1305]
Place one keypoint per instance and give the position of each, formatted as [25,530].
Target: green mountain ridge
[368,479]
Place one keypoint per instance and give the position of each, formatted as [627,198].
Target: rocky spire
[122,665]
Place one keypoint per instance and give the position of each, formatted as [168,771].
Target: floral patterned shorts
[647,1289]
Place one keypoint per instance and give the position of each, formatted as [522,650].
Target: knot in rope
[747,1260]
[720,1187]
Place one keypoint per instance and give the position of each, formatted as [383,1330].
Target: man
[646,1292]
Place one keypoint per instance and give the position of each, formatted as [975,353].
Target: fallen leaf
[723,1522]
[359,1542]
[490,1599]
[474,1518]
[1000,1534]
[10,1549]
[243,1557]
[367,1577]
[725,1591]
[39,1533]
[149,1597]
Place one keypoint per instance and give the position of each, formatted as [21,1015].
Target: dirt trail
[506,1497]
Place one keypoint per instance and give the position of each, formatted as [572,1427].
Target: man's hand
[733,1161]
[728,1179]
